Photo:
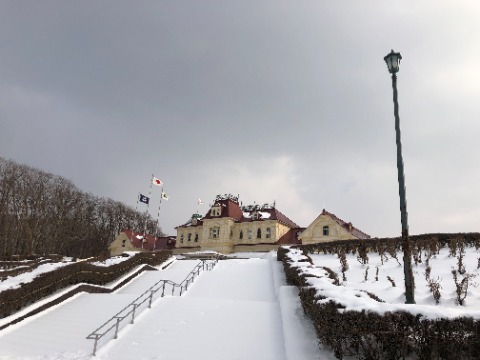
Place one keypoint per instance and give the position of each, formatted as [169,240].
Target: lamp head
[393,61]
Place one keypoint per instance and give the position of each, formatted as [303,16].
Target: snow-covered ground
[386,281]
[242,309]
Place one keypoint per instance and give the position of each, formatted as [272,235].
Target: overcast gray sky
[286,101]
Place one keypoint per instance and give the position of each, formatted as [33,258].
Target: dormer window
[194,221]
[216,210]
[255,216]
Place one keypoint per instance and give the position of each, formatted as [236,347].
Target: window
[241,234]
[216,211]
[268,233]
[259,233]
[189,236]
[196,237]
[255,216]
[181,238]
[214,232]
[326,230]
[249,233]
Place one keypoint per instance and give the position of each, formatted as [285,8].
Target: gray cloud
[272,100]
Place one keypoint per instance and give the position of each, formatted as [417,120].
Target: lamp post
[393,63]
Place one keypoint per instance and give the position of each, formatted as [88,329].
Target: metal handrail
[116,319]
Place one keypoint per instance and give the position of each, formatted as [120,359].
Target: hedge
[394,335]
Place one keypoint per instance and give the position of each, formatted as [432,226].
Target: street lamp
[393,63]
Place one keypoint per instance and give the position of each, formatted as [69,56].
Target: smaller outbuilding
[129,240]
[328,227]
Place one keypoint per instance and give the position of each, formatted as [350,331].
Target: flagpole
[146,212]
[134,218]
[158,217]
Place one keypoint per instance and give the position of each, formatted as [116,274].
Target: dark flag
[144,199]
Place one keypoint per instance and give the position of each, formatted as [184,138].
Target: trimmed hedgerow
[13,300]
[393,335]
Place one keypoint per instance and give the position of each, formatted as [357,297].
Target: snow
[265,215]
[242,309]
[350,293]
[115,259]
[13,282]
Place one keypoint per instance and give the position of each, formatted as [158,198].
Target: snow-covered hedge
[16,298]
[366,332]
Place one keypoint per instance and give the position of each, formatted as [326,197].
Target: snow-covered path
[240,310]
[229,313]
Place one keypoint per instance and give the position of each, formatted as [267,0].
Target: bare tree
[41,213]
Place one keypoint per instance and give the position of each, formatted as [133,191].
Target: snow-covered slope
[232,312]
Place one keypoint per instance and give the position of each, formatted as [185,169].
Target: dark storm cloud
[275,100]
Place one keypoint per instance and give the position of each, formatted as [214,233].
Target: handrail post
[95,345]
[116,327]
[150,299]
[133,313]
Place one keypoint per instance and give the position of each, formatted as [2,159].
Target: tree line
[42,213]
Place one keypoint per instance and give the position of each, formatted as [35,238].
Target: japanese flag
[157,181]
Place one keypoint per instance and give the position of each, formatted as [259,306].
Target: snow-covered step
[230,312]
[246,279]
[62,328]
[202,328]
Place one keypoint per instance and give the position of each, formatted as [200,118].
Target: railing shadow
[145,300]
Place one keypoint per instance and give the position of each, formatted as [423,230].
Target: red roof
[291,237]
[229,207]
[161,242]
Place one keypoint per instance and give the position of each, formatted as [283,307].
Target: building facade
[328,227]
[230,227]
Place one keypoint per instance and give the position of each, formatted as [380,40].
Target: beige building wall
[184,240]
[120,244]
[314,233]
[217,235]
[255,232]
[223,235]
